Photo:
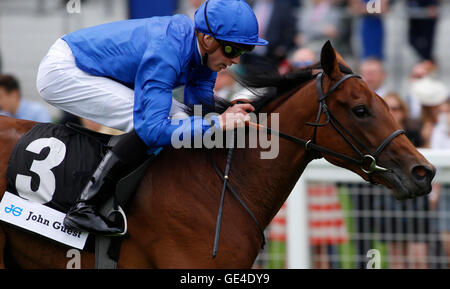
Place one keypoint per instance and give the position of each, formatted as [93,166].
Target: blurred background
[399,47]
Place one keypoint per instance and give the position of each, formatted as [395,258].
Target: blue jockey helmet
[228,20]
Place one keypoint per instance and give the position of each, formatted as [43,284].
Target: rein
[367,162]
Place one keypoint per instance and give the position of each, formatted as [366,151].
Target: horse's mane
[269,84]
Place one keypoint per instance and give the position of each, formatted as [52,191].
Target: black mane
[273,83]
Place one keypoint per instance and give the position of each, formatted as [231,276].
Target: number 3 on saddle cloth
[49,166]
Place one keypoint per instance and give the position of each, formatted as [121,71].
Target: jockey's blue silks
[155,55]
[152,56]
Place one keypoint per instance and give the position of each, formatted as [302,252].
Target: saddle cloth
[51,164]
[48,168]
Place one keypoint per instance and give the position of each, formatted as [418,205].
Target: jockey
[122,74]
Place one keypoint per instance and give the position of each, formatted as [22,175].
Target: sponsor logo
[40,219]
[16,211]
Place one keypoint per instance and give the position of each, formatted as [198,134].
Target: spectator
[440,137]
[400,112]
[420,70]
[277,24]
[432,95]
[14,105]
[318,23]
[373,74]
[371,28]
[423,16]
[300,58]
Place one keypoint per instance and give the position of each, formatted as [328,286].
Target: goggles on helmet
[229,49]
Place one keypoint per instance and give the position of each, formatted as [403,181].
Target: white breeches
[62,84]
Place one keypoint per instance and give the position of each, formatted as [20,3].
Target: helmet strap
[205,59]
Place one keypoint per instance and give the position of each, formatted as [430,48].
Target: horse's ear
[328,60]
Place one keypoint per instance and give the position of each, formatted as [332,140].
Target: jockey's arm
[155,79]
[201,91]
[152,123]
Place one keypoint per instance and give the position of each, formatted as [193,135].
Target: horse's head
[360,124]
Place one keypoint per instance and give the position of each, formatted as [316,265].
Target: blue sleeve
[199,90]
[156,77]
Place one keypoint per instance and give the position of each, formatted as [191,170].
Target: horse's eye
[361,111]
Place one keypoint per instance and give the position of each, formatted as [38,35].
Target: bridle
[367,161]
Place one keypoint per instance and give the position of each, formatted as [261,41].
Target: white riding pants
[62,84]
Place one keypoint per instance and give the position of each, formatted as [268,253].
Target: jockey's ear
[207,43]
[328,61]
[208,40]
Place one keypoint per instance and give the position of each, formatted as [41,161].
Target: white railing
[298,249]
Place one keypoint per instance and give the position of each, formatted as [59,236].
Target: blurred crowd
[296,31]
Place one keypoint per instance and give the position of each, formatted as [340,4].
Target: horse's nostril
[419,172]
[423,173]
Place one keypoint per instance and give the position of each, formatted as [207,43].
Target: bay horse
[172,217]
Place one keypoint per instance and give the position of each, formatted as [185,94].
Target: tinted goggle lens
[232,51]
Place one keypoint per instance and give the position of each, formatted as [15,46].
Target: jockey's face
[217,60]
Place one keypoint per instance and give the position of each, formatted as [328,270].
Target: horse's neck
[11,130]
[267,182]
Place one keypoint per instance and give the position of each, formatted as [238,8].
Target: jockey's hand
[235,116]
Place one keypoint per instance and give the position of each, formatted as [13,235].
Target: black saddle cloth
[59,159]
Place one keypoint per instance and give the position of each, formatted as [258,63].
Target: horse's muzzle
[414,184]
[422,176]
